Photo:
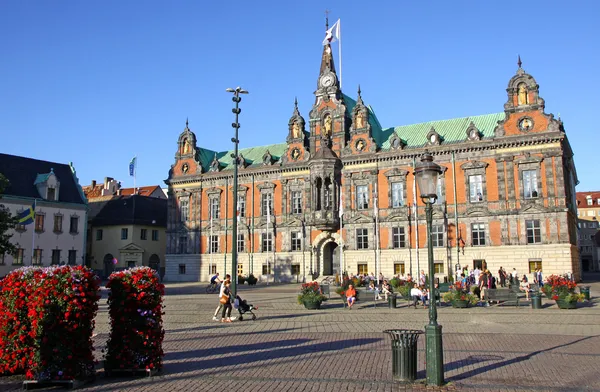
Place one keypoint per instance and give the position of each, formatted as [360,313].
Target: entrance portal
[331,259]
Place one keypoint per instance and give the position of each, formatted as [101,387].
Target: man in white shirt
[515,276]
[476,273]
[415,294]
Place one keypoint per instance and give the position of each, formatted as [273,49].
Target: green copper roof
[252,155]
[41,178]
[451,131]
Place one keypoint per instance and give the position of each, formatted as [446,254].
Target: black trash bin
[585,290]
[404,353]
[392,300]
[536,300]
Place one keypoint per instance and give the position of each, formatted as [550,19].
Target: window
[130,264]
[183,244]
[240,269]
[398,237]
[437,235]
[184,210]
[240,243]
[598,201]
[241,206]
[397,194]
[362,197]
[295,269]
[362,239]
[399,269]
[55,256]
[590,201]
[20,228]
[37,257]
[154,235]
[214,208]
[124,234]
[182,269]
[479,264]
[534,264]
[475,188]
[214,243]
[438,267]
[530,187]
[143,234]
[58,223]
[296,241]
[439,191]
[267,242]
[73,225]
[534,234]
[39,222]
[51,193]
[590,213]
[99,233]
[213,269]
[266,269]
[266,204]
[478,234]
[72,257]
[18,259]
[296,202]
[362,269]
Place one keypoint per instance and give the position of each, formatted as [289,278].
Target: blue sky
[97,82]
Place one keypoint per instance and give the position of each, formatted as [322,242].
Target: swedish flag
[27,216]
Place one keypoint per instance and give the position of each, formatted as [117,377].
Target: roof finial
[359,90]
[296,102]
[519,63]
[186,122]
[326,19]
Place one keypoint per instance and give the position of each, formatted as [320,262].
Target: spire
[359,100]
[186,123]
[327,60]
[296,111]
[326,19]
[519,63]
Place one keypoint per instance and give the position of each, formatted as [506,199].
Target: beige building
[56,234]
[588,205]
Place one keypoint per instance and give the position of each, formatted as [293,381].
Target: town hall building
[339,194]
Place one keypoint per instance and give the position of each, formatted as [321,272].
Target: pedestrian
[502,276]
[422,278]
[540,278]
[220,307]
[350,296]
[225,299]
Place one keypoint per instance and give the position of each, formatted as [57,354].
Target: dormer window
[590,201]
[51,194]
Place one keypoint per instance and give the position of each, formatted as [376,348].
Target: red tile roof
[93,191]
[582,198]
[142,190]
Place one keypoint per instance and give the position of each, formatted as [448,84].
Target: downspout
[226,225]
[455,213]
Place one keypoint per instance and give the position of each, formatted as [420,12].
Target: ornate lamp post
[426,173]
[236,125]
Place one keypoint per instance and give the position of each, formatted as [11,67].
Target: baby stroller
[244,307]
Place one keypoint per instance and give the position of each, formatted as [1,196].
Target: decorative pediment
[132,248]
[267,158]
[216,226]
[214,192]
[396,143]
[433,138]
[473,133]
[293,222]
[266,186]
[529,159]
[360,219]
[471,165]
[477,211]
[215,166]
[532,207]
[396,172]
[397,215]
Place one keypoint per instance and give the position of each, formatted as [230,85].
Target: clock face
[433,138]
[327,80]
[473,134]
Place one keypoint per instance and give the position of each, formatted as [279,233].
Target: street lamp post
[426,173]
[236,125]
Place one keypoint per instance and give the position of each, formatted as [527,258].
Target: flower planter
[457,303]
[312,304]
[566,305]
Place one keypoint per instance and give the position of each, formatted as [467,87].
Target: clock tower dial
[327,80]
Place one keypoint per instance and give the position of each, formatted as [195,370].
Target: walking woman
[226,301]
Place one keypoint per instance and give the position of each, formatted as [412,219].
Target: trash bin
[585,290]
[392,300]
[536,300]
[404,353]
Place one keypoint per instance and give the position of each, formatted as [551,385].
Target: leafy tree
[7,222]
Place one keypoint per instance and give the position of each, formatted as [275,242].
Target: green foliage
[7,222]
[241,279]
[311,292]
[460,295]
[251,279]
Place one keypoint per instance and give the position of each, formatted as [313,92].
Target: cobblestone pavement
[289,348]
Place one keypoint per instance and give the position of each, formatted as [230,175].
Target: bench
[363,296]
[504,295]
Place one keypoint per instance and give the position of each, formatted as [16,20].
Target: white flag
[333,34]
[268,213]
[238,212]
[341,208]
[375,207]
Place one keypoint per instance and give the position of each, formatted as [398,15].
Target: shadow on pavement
[175,356]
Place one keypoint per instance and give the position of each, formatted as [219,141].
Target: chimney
[93,183]
[119,192]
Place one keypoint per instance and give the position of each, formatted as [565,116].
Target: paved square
[289,348]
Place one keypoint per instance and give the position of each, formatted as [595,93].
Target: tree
[7,222]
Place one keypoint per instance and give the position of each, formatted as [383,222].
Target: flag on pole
[268,213]
[27,216]
[333,34]
[237,213]
[341,209]
[132,166]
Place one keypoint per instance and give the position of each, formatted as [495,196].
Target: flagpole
[416,219]
[376,213]
[269,235]
[340,48]
[33,232]
[210,262]
[341,213]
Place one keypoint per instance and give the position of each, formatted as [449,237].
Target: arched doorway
[154,262]
[108,265]
[331,258]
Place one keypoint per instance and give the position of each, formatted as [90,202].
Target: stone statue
[522,94]
[327,126]
[360,145]
[296,130]
[360,120]
[186,146]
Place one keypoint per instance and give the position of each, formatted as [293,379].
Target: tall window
[124,234]
[241,205]
[534,264]
[530,185]
[590,201]
[362,197]
[362,269]
[18,259]
[99,234]
[267,242]
[39,222]
[55,256]
[72,257]
[214,243]
[155,235]
[295,269]
[438,267]
[181,269]
[397,194]
[478,234]
[534,232]
[240,244]
[296,241]
[437,235]
[296,202]
[37,257]
[143,234]
[183,244]
[58,223]
[240,268]
[476,188]
[184,210]
[74,222]
[399,269]
[439,191]
[214,208]
[51,193]
[398,237]
[267,269]
[266,206]
[362,239]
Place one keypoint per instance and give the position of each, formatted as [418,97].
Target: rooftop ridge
[448,119]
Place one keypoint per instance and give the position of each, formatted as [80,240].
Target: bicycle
[329,280]
[213,288]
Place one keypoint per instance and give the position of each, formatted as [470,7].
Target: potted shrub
[562,290]
[241,279]
[251,279]
[311,296]
[460,297]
